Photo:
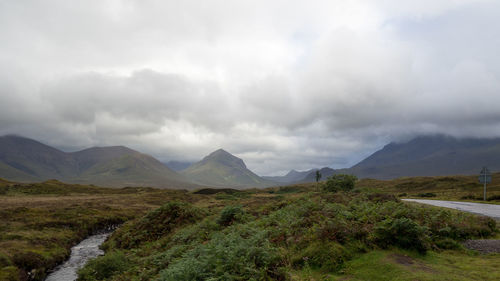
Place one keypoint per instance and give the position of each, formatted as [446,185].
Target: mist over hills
[431,156]
[222,169]
[436,155]
[23,159]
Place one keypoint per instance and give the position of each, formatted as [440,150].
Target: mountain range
[292,176]
[436,155]
[430,156]
[25,160]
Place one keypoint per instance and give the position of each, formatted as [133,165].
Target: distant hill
[177,165]
[25,160]
[325,173]
[222,169]
[430,156]
[292,176]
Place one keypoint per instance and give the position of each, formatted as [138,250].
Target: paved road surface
[489,210]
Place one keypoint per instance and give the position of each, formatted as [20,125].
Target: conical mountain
[222,169]
[27,160]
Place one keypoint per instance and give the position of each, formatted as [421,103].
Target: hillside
[177,165]
[325,173]
[26,160]
[290,177]
[222,169]
[430,156]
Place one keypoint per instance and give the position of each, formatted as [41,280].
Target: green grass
[298,232]
[41,221]
[462,188]
[306,235]
[404,265]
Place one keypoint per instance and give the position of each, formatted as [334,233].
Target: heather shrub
[337,183]
[104,267]
[230,214]
[402,232]
[327,256]
[243,253]
[156,224]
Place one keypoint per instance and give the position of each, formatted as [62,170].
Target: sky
[281,84]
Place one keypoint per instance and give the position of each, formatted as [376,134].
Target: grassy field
[40,222]
[284,233]
[463,188]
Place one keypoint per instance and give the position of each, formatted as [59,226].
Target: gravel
[483,246]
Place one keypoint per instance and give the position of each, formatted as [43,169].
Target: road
[489,210]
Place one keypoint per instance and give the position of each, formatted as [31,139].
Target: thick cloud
[282,84]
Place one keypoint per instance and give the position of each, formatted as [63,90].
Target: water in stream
[80,255]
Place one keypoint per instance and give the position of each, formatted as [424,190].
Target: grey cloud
[281,84]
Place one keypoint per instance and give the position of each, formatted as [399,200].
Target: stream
[80,255]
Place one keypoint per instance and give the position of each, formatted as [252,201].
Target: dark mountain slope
[430,156]
[177,165]
[23,159]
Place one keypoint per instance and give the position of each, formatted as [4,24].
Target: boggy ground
[297,233]
[283,233]
[40,222]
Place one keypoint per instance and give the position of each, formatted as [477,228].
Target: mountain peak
[222,169]
[223,157]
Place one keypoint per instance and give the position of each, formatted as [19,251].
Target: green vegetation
[41,221]
[101,269]
[28,160]
[443,188]
[223,169]
[306,235]
[340,183]
[343,232]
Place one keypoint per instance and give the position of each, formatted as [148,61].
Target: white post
[484,195]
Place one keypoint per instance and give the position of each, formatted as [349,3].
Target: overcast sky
[280,83]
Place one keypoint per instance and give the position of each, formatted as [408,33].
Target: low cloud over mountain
[284,86]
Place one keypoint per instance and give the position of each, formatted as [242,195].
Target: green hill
[27,160]
[222,169]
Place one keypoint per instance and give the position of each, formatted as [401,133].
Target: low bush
[427,194]
[4,260]
[494,197]
[328,257]
[448,244]
[402,232]
[382,197]
[28,260]
[230,214]
[241,254]
[104,267]
[156,224]
[340,183]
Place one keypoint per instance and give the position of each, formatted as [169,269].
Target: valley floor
[282,233]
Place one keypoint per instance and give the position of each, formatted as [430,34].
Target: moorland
[296,232]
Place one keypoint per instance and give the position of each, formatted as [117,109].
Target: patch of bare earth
[483,246]
[410,263]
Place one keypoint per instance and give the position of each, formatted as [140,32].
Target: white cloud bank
[282,84]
